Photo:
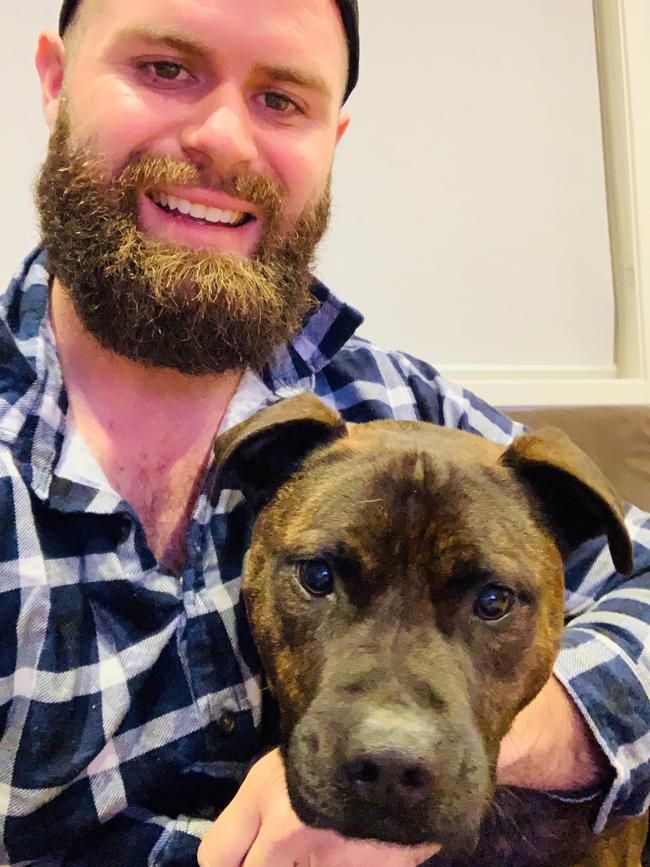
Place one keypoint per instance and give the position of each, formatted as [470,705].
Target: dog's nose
[389,776]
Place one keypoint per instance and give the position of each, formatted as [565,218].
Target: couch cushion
[616,437]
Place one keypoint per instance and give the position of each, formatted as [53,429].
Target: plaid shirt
[130,700]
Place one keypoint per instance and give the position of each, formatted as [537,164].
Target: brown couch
[617,438]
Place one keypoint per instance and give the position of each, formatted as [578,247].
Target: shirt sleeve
[604,662]
[604,659]
[150,840]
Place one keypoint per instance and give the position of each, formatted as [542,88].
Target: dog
[404,584]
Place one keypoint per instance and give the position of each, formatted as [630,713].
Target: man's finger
[231,836]
[283,841]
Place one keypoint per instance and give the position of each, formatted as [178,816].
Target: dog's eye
[494,602]
[316,576]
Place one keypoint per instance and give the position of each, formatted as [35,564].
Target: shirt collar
[324,332]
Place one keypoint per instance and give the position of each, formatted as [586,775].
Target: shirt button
[227,722]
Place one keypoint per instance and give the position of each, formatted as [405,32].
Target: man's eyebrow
[157,37]
[289,75]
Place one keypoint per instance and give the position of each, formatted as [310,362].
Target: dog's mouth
[400,825]
[353,824]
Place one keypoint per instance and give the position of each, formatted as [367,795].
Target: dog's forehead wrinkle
[385,476]
[408,470]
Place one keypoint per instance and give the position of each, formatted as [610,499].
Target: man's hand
[549,745]
[260,829]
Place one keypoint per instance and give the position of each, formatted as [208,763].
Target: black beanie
[349,13]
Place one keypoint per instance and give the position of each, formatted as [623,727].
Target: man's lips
[203,206]
[222,229]
[187,207]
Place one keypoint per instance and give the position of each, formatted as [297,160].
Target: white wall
[470,222]
[24,137]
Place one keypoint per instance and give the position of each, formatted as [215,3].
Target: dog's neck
[150,429]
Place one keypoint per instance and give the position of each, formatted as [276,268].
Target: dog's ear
[258,455]
[575,496]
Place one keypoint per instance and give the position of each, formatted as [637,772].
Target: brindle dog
[405,588]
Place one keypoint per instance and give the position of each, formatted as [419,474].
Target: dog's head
[405,588]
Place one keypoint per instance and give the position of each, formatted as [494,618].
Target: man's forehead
[348,10]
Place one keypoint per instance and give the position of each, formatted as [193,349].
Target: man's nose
[221,133]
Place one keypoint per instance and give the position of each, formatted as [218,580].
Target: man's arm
[551,747]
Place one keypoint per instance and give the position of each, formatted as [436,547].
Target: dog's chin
[350,826]
[354,823]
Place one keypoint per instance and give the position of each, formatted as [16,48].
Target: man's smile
[195,211]
[200,218]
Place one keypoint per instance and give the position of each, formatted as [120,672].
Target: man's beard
[194,310]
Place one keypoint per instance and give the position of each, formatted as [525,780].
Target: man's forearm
[550,746]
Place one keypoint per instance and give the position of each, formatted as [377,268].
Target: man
[185,189]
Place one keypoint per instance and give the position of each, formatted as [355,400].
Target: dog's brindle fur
[394,693]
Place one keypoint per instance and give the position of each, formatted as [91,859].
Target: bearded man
[184,192]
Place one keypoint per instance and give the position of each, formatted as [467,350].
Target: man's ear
[343,124]
[50,63]
[576,499]
[260,454]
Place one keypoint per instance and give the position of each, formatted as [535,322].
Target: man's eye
[166,70]
[278,102]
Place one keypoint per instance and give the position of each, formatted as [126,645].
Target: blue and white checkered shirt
[130,700]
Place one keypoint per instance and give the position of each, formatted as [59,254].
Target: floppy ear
[575,496]
[258,455]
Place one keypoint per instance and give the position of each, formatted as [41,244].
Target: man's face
[192,138]
[231,86]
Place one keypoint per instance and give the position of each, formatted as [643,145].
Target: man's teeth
[199,212]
